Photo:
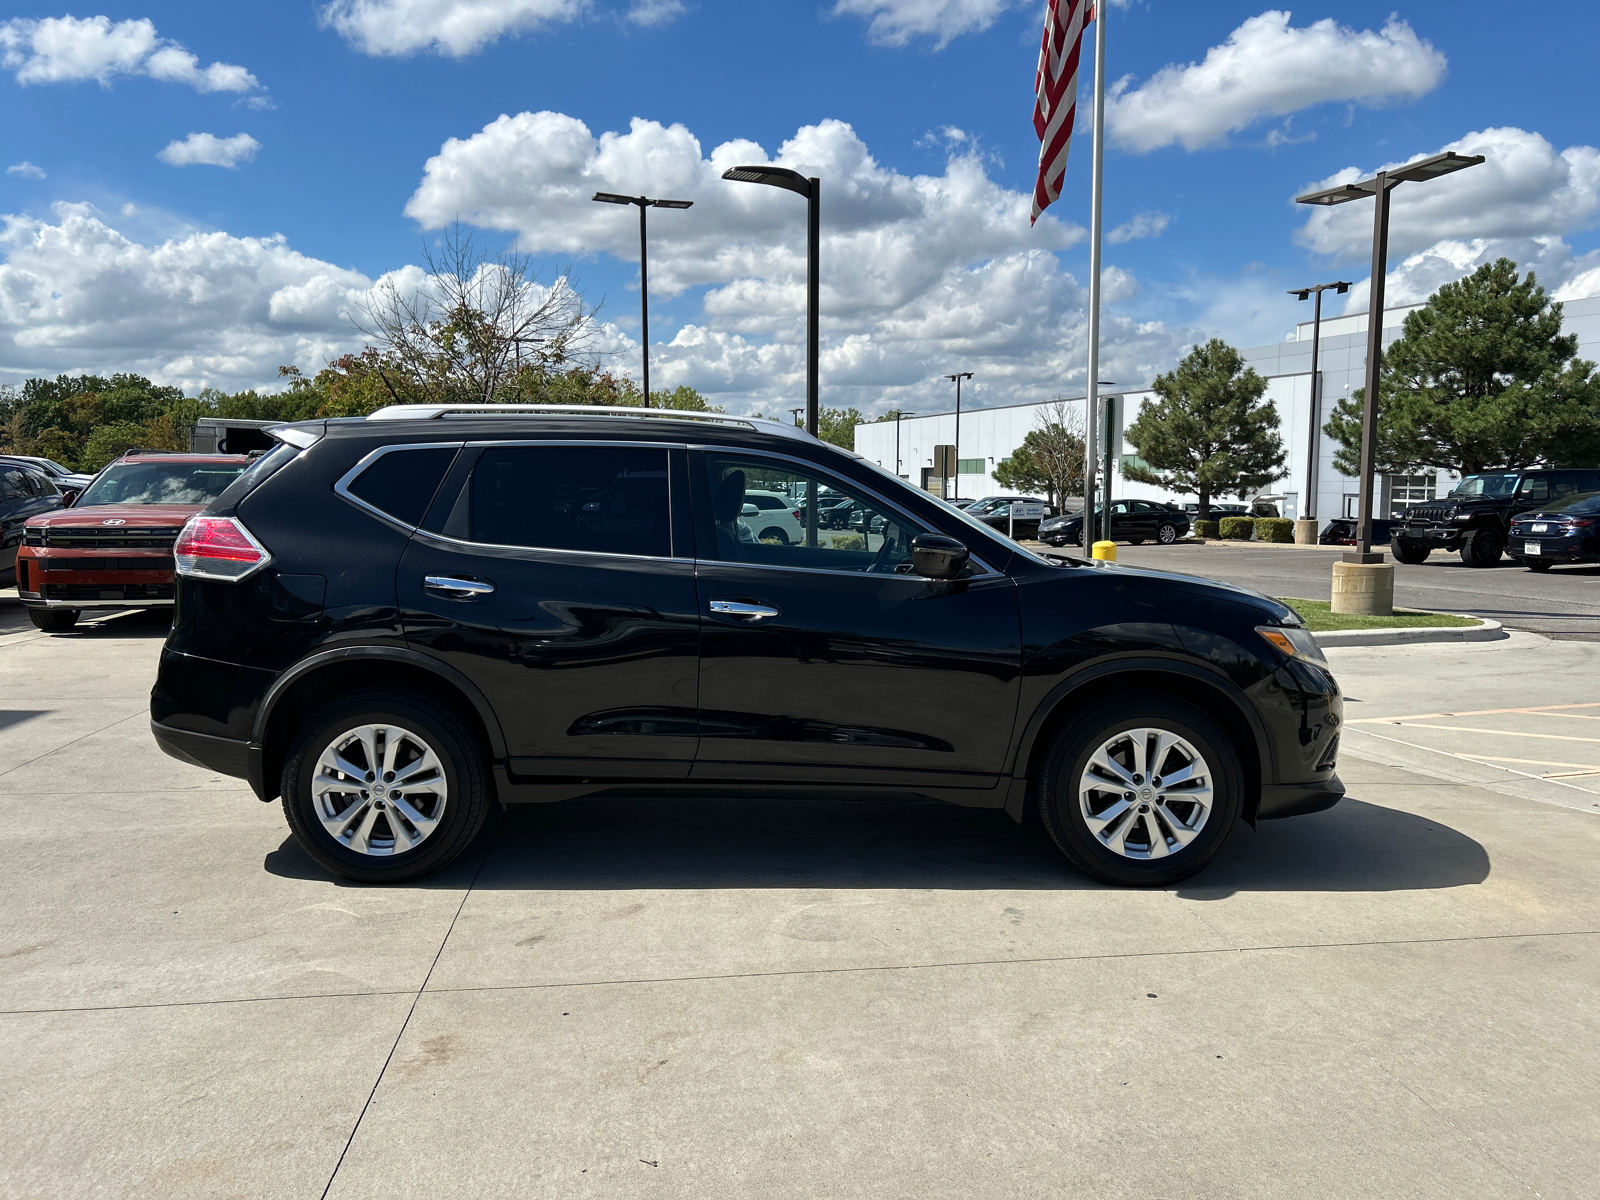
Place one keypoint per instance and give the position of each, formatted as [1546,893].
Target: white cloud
[1268,69]
[655,12]
[25,170]
[917,270]
[73,49]
[1143,225]
[896,22]
[453,27]
[1521,202]
[210,150]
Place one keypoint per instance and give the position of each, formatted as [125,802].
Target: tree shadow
[603,844]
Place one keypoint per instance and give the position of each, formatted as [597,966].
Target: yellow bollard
[1106,551]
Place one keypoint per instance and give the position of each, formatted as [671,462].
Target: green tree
[1019,471]
[1480,377]
[1208,432]
[838,425]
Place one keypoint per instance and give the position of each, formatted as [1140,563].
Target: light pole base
[1305,531]
[1104,551]
[1363,589]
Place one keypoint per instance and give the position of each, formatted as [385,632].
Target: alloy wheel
[379,790]
[1145,793]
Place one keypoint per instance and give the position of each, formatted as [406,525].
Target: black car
[1560,533]
[394,622]
[1475,518]
[998,516]
[25,491]
[1135,521]
[1342,531]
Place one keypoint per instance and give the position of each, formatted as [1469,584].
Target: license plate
[1531,548]
[1541,529]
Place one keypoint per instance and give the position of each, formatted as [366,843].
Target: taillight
[218,548]
[1579,522]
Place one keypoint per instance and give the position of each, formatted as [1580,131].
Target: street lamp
[1379,187]
[643,202]
[1340,287]
[811,188]
[957,378]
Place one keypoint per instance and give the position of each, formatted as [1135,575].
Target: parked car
[113,548]
[1133,521]
[25,492]
[1475,518]
[1192,508]
[998,516]
[69,483]
[1560,533]
[394,622]
[776,516]
[1341,531]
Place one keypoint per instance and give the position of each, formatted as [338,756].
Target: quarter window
[402,482]
[603,499]
[849,531]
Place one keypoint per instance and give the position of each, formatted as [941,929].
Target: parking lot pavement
[1563,603]
[719,998]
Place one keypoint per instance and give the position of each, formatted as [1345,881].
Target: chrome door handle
[745,612]
[460,589]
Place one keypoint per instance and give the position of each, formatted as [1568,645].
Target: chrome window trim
[988,572]
[631,443]
[342,484]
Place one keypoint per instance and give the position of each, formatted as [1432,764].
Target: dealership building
[987,436]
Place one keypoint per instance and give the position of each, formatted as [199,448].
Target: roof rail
[428,412]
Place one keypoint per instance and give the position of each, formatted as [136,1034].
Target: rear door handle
[456,587]
[742,611]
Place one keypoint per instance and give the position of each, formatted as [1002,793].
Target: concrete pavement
[714,998]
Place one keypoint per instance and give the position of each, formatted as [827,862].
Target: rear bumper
[1297,799]
[225,755]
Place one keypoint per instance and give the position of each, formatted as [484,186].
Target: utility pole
[1305,526]
[958,377]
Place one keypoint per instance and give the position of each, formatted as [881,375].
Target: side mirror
[934,556]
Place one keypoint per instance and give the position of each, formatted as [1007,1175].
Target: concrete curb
[1489,631]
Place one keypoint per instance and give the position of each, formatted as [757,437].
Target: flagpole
[1092,403]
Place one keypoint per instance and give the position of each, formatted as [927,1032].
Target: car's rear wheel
[773,534]
[1142,791]
[54,620]
[1167,534]
[385,787]
[1481,549]
[1537,564]
[1408,552]
[1135,541]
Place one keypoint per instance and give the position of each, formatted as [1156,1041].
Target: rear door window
[600,499]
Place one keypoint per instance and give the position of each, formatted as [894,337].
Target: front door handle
[456,587]
[742,611]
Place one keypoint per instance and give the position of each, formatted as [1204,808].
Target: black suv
[396,621]
[1475,518]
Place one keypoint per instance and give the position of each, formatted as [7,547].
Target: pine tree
[1209,432]
[1481,377]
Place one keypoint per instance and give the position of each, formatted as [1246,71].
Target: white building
[989,435]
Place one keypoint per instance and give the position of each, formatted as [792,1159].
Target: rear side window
[606,499]
[401,483]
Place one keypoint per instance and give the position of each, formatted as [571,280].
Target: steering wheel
[882,556]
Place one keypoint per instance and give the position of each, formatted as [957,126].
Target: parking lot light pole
[643,202]
[1305,527]
[958,377]
[811,188]
[1367,584]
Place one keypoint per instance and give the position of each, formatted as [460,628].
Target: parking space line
[1458,755]
[1479,712]
[1551,737]
[1547,762]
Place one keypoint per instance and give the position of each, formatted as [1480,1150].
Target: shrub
[1205,529]
[1236,529]
[1274,529]
[849,541]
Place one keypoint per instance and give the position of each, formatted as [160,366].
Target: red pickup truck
[113,547]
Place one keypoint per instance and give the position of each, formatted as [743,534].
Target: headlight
[1292,641]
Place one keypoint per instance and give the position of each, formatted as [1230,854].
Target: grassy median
[1319,619]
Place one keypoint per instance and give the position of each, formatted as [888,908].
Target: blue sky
[115,257]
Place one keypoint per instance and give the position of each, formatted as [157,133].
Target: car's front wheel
[1142,791]
[773,534]
[1408,552]
[1481,549]
[53,620]
[384,787]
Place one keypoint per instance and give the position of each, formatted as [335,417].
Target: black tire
[1135,541]
[774,534]
[1482,548]
[465,773]
[1538,564]
[1067,758]
[54,620]
[1167,534]
[1409,552]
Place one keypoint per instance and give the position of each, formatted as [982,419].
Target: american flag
[1056,88]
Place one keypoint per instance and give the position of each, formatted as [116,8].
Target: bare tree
[1058,447]
[475,327]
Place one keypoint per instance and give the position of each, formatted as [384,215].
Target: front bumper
[50,577]
[1435,537]
[1298,799]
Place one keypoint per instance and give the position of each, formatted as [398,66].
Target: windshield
[1486,485]
[160,483]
